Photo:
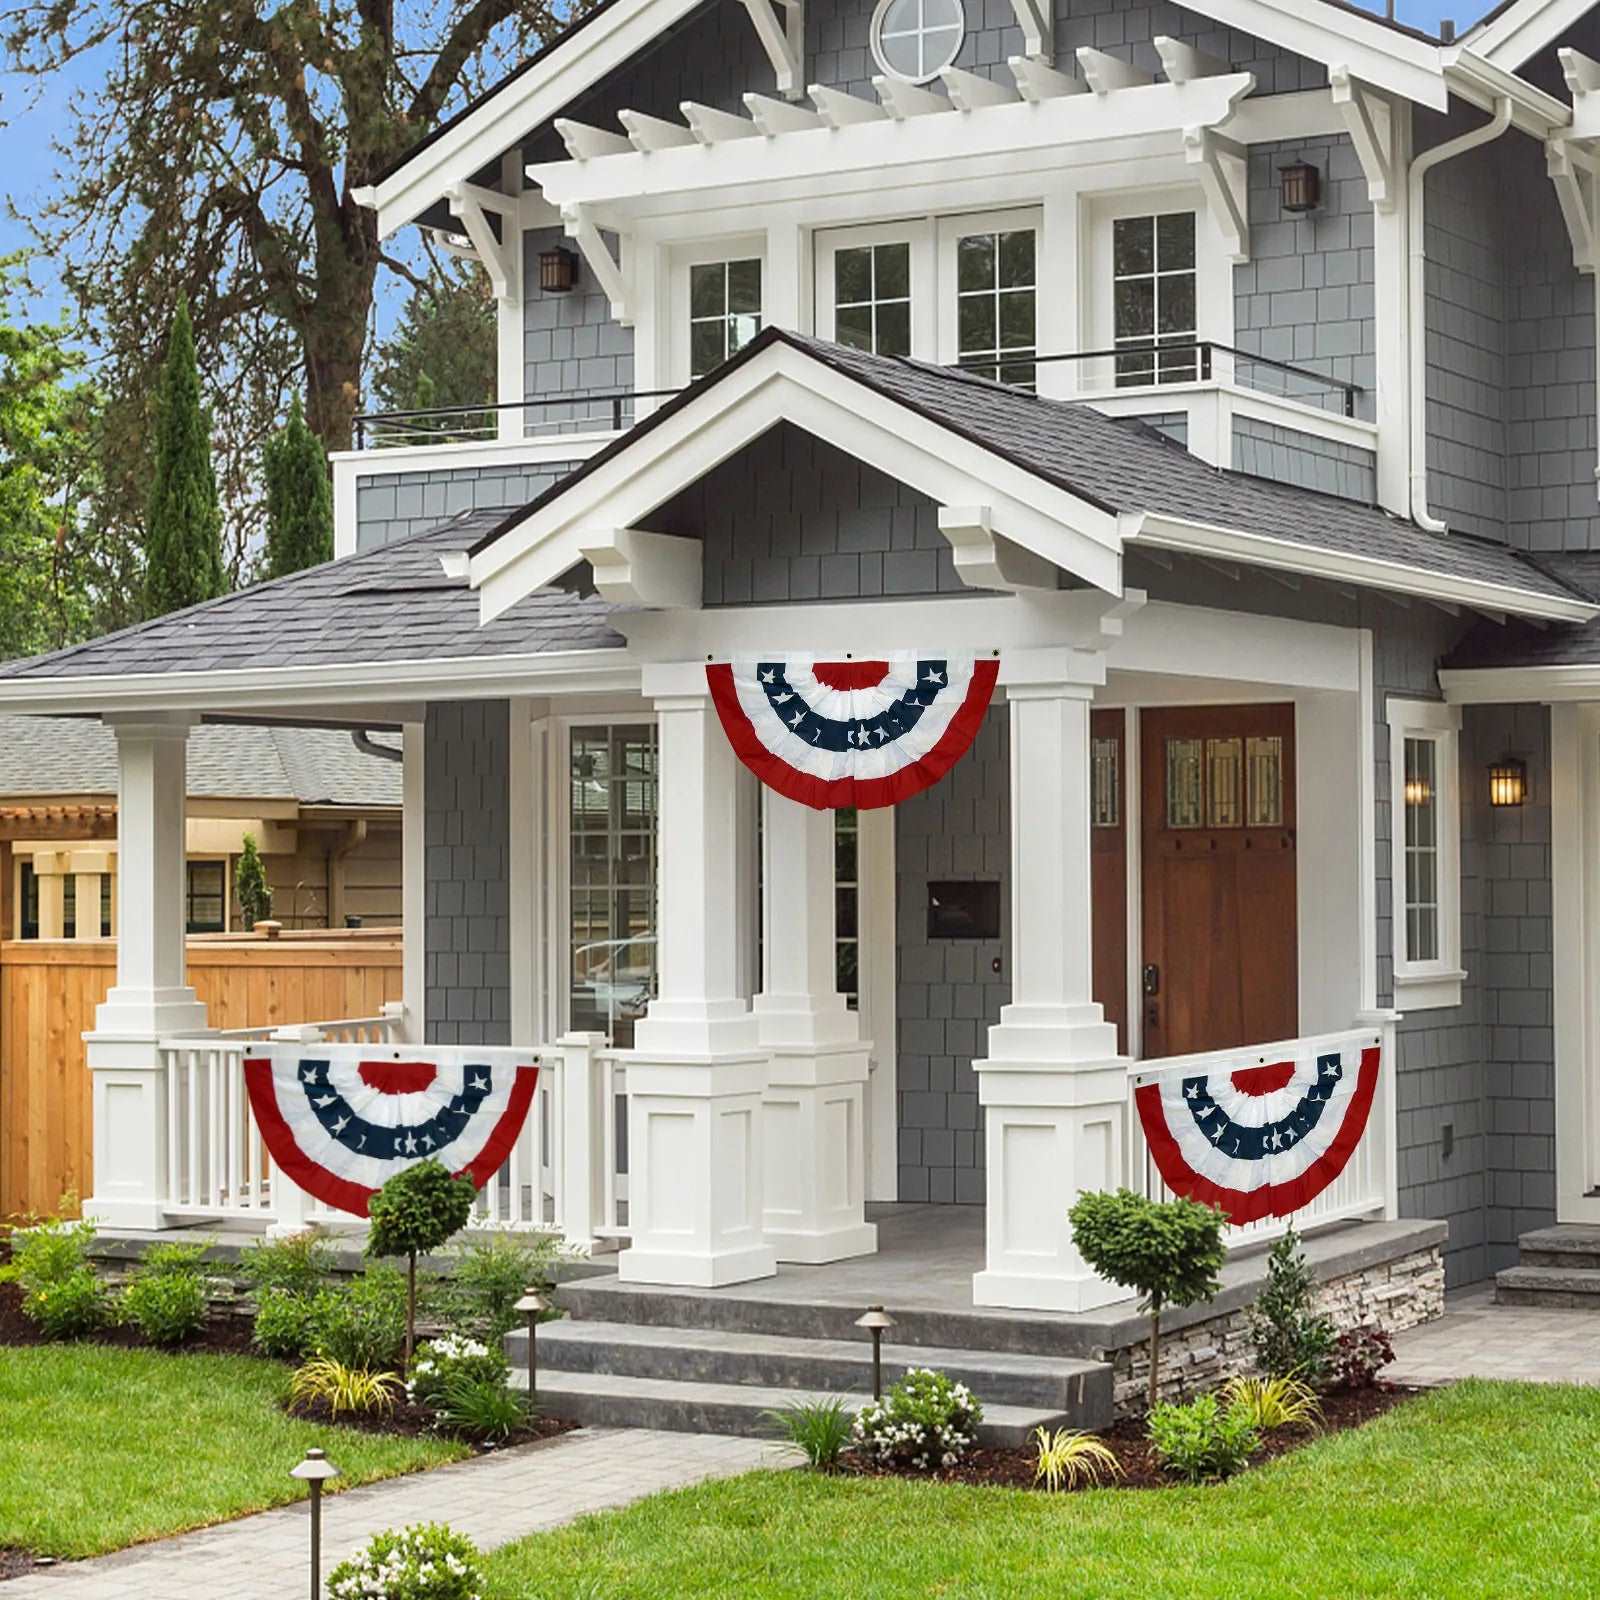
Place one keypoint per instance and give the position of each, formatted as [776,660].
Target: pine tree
[183,532]
[299,498]
[250,884]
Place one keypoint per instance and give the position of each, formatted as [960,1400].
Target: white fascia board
[785,385]
[1522,30]
[1482,83]
[328,686]
[1045,134]
[1340,36]
[1285,555]
[1181,641]
[519,106]
[1495,686]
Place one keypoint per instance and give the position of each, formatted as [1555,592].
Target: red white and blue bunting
[852,733]
[340,1120]
[1257,1136]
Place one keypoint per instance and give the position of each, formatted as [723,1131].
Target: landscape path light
[533,1305]
[315,1470]
[875,1321]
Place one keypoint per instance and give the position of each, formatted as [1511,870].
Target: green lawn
[1480,1490]
[101,1448]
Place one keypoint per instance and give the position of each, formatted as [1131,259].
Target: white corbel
[584,143]
[1182,63]
[1370,121]
[1105,73]
[1575,187]
[1036,18]
[1583,83]
[654,133]
[905,100]
[841,110]
[968,91]
[773,117]
[784,41]
[1036,81]
[499,257]
[711,126]
[607,269]
[1221,167]
[985,559]
[635,568]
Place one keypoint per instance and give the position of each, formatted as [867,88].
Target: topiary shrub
[419,1209]
[1292,1338]
[1168,1251]
[926,1420]
[430,1562]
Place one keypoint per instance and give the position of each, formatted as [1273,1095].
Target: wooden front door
[1217,834]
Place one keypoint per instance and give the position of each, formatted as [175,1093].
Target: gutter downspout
[1417,301]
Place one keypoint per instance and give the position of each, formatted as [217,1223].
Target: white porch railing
[1366,1186]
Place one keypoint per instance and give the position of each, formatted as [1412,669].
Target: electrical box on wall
[964,910]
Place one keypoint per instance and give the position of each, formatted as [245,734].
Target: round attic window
[915,40]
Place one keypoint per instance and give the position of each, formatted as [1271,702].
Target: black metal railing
[559,413]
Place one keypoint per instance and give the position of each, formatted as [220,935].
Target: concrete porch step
[1572,1287]
[1569,1246]
[614,1400]
[833,1366]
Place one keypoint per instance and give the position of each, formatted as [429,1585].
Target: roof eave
[1493,686]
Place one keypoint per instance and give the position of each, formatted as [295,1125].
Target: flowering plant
[449,1359]
[426,1562]
[927,1420]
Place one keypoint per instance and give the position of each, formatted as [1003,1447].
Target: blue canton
[854,733]
[355,1133]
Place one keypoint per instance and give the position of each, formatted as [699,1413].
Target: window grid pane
[1224,769]
[1105,784]
[1264,768]
[847,905]
[872,298]
[1421,799]
[724,311]
[1154,298]
[997,305]
[1185,783]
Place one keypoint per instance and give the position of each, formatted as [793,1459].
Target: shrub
[283,1324]
[1292,1338]
[363,1323]
[1360,1355]
[1169,1251]
[419,1209]
[68,1307]
[171,1261]
[926,1420]
[422,1563]
[1068,1458]
[61,1295]
[299,1264]
[818,1429]
[1203,1439]
[490,1276]
[1272,1403]
[166,1308]
[440,1362]
[344,1388]
[480,1408]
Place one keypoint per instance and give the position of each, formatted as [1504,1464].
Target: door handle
[1150,979]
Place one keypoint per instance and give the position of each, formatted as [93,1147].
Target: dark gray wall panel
[570,345]
[391,505]
[1289,456]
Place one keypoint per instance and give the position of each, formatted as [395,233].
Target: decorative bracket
[1583,83]
[634,568]
[784,42]
[1037,21]
[1369,118]
[985,559]
[1576,190]
[1221,168]
[606,268]
[1107,73]
[499,256]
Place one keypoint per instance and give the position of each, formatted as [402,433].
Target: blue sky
[33,113]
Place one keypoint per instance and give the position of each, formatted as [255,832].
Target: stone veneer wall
[1396,1294]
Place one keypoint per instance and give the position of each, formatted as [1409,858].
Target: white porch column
[151,999]
[697,1069]
[1053,1088]
[812,1112]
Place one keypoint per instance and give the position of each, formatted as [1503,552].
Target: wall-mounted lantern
[1299,186]
[1508,782]
[558,271]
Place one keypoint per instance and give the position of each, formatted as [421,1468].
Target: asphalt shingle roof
[393,603]
[315,766]
[1520,644]
[1120,465]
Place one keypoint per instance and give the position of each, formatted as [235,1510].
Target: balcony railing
[542,417]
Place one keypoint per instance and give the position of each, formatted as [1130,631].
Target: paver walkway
[1475,1338]
[492,1499]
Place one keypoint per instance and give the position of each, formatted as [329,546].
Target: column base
[144,1216]
[1018,1291]
[695,1271]
[828,1244]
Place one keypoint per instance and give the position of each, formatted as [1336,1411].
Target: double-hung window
[1425,816]
[996,295]
[1154,298]
[724,311]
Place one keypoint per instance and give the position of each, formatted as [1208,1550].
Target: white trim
[1498,686]
[917,234]
[875,42]
[1522,30]
[949,231]
[1421,985]
[877,953]
[522,877]
[414,883]
[683,257]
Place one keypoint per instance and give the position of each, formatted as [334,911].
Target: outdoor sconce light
[315,1470]
[1299,186]
[875,1321]
[1418,791]
[1508,782]
[532,1305]
[558,271]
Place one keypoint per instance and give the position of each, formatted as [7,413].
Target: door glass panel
[1421,798]
[1224,764]
[611,930]
[847,906]
[1185,783]
[1106,798]
[1264,768]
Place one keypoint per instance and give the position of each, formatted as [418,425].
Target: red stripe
[344,1194]
[866,794]
[1263,1080]
[1272,1199]
[850,674]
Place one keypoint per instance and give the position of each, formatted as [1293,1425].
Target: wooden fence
[48,994]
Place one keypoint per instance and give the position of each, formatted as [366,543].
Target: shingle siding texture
[570,345]
[395,505]
[949,996]
[467,834]
[1288,456]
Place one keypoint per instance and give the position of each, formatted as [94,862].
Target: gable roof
[311,766]
[1159,493]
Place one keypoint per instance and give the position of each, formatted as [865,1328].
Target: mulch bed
[1013,1468]
[412,1421]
